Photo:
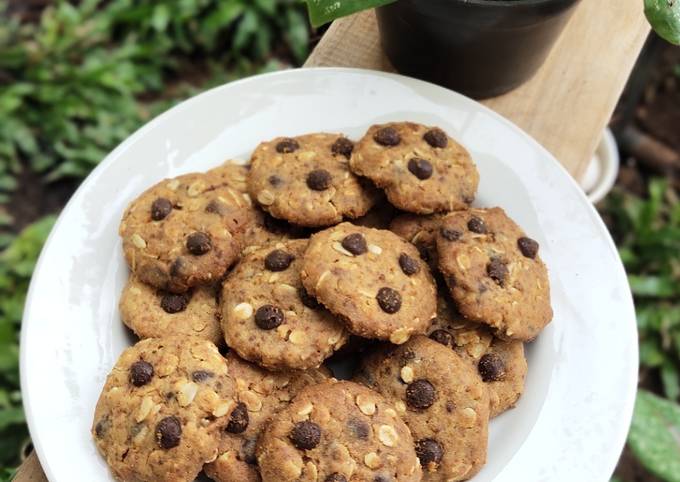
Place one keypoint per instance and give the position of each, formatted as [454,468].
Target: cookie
[372,279]
[421,169]
[162,407]
[494,272]
[232,173]
[261,228]
[443,401]
[183,232]
[306,180]
[421,231]
[337,431]
[153,313]
[261,394]
[269,319]
[501,363]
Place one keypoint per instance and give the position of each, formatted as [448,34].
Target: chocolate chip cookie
[494,272]
[500,363]
[267,316]
[422,232]
[183,232]
[261,227]
[443,401]
[334,432]
[260,394]
[306,180]
[372,279]
[160,412]
[421,169]
[153,313]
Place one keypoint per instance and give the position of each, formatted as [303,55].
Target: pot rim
[511,3]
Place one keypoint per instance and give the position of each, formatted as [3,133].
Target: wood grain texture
[567,104]
[30,470]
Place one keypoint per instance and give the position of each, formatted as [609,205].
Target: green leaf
[654,436]
[11,416]
[664,16]
[324,11]
[670,378]
[160,17]
[657,286]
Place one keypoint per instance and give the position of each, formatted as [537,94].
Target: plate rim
[631,334]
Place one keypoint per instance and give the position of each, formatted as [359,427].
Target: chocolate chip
[430,453]
[355,243]
[382,478]
[305,435]
[450,234]
[497,270]
[420,394]
[172,303]
[319,180]
[102,427]
[335,477]
[389,300]
[141,373]
[160,209]
[491,368]
[358,428]
[308,300]
[476,225]
[238,420]
[420,168]
[450,406]
[436,138]
[278,260]
[275,180]
[287,145]
[443,337]
[528,247]
[408,265]
[407,356]
[198,243]
[216,207]
[201,375]
[387,136]
[168,432]
[268,317]
[343,147]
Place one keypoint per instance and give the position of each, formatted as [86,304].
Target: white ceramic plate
[573,418]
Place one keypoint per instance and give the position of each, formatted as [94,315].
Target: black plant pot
[481,48]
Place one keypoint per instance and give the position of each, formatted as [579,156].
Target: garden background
[76,78]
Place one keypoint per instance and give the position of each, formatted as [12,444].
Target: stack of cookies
[316,246]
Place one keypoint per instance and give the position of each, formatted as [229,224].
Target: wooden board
[569,101]
[30,470]
[565,106]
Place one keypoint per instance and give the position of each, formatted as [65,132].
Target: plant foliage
[654,435]
[70,85]
[81,79]
[16,266]
[647,232]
